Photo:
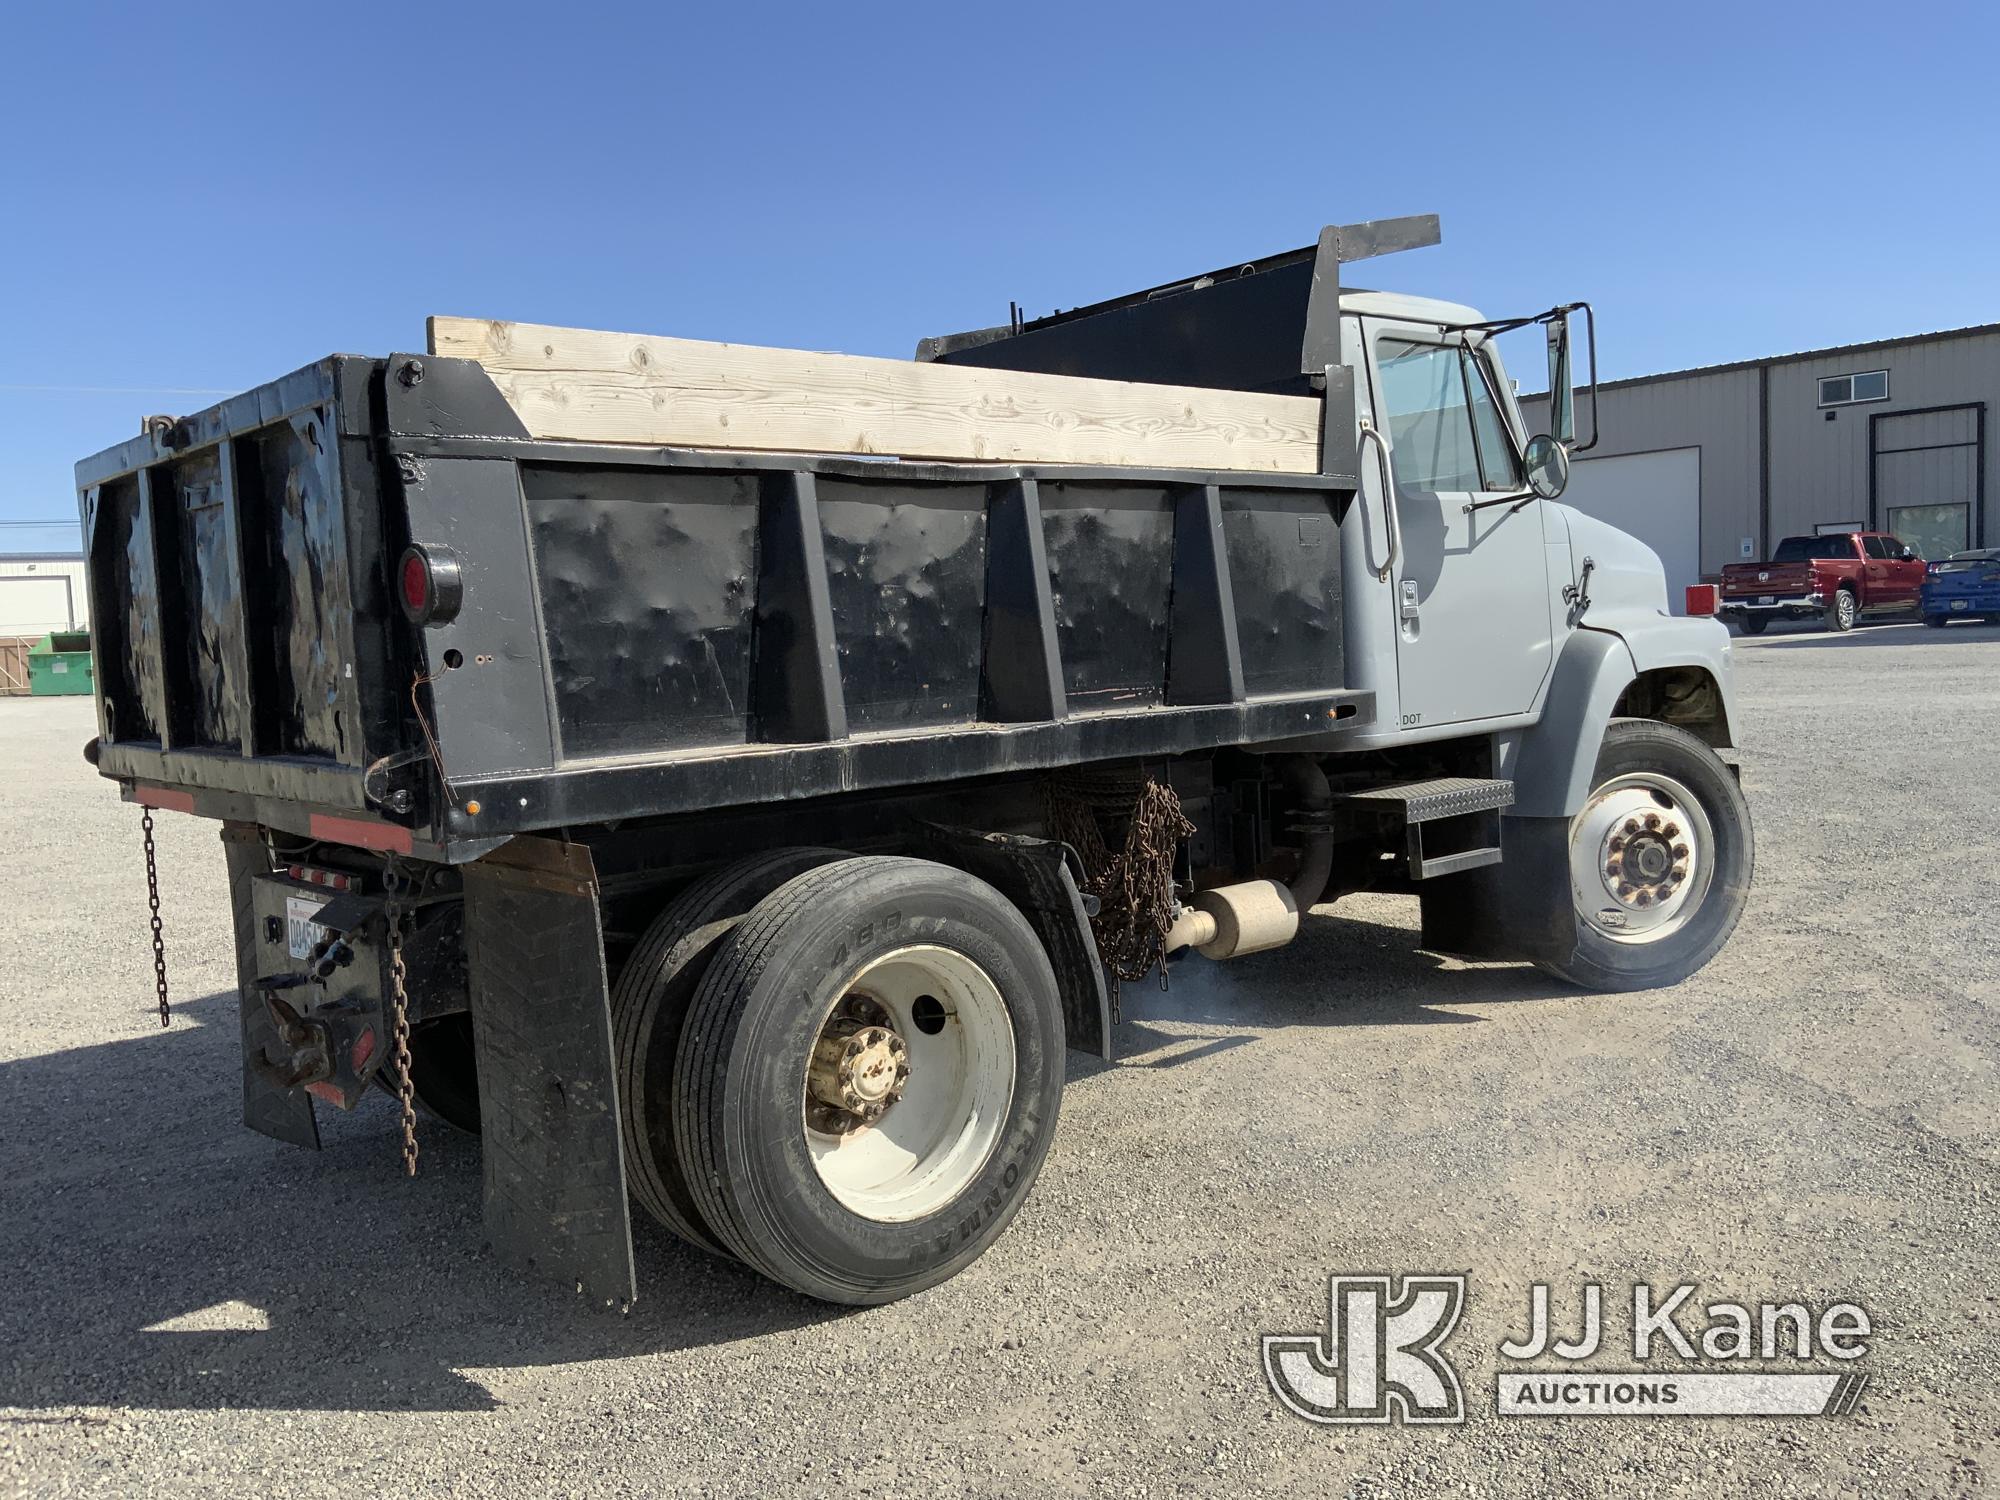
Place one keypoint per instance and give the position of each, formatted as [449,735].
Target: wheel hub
[860,1066]
[1639,858]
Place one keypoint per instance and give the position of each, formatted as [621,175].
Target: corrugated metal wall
[40,594]
[1818,466]
[1715,413]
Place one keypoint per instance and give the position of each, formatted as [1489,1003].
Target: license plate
[1959,603]
[1767,598]
[302,933]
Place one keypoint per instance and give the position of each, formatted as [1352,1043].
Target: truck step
[1450,823]
[1444,797]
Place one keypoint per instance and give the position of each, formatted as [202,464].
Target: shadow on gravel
[1316,981]
[161,1256]
[1900,633]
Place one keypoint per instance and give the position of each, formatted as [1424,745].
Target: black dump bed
[646,632]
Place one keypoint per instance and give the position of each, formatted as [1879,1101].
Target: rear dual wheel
[865,1078]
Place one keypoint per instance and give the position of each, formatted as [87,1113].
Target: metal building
[42,591]
[1713,465]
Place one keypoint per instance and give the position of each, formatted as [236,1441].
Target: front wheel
[1660,859]
[1841,611]
[1936,622]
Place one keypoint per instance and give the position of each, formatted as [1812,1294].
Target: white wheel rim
[944,1125]
[1634,880]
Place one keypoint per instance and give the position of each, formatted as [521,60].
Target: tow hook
[311,1053]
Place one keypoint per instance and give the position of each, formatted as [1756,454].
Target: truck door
[1472,593]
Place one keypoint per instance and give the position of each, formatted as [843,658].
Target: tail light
[430,583]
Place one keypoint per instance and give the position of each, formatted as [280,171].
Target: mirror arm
[1590,334]
[1516,500]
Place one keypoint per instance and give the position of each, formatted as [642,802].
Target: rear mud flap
[269,1109]
[548,1102]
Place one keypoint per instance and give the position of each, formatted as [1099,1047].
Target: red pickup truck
[1839,578]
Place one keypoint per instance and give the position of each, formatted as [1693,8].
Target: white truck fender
[1550,761]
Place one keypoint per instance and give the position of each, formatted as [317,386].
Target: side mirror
[1909,554]
[1548,466]
[1562,393]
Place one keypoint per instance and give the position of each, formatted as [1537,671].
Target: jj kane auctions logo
[1382,1356]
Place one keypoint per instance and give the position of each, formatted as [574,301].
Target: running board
[1449,824]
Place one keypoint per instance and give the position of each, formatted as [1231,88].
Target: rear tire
[1755,624]
[1936,622]
[930,961]
[649,1008]
[1692,904]
[1841,611]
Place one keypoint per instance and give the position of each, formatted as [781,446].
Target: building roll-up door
[1924,472]
[1654,496]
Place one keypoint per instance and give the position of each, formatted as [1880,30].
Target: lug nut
[1652,822]
[1680,874]
[1680,851]
[1672,831]
[1631,825]
[1617,842]
[1644,898]
[1624,891]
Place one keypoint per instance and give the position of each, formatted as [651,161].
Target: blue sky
[200,198]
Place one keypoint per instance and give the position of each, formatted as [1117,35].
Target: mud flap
[281,1113]
[1041,878]
[1521,908]
[548,1100]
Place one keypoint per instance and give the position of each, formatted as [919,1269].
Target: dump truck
[730,779]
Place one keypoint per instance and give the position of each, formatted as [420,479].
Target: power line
[120,390]
[72,521]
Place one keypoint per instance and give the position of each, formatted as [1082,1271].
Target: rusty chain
[1134,886]
[153,906]
[399,1021]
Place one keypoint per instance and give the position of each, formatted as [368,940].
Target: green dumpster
[60,663]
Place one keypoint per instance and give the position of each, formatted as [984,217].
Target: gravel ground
[194,1310]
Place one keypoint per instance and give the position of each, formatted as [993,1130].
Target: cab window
[1445,436]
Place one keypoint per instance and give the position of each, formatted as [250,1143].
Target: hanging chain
[1134,886]
[153,905]
[399,1020]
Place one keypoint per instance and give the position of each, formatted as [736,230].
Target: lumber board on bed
[591,386]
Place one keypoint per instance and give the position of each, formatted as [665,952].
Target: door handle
[1369,434]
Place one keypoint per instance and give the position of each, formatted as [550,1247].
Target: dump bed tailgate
[238,583]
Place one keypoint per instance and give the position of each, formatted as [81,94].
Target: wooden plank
[589,386]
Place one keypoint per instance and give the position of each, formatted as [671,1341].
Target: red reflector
[163,797]
[416,584]
[364,1048]
[361,833]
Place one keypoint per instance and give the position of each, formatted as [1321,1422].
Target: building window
[1847,390]
[1931,530]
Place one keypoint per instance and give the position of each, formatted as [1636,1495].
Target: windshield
[1806,548]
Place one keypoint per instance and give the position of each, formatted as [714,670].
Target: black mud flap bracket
[1043,879]
[269,1107]
[548,1099]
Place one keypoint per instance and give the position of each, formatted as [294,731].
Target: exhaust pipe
[1258,915]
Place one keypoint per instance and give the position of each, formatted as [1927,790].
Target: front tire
[1841,611]
[1661,857]
[870,1078]
[1936,622]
